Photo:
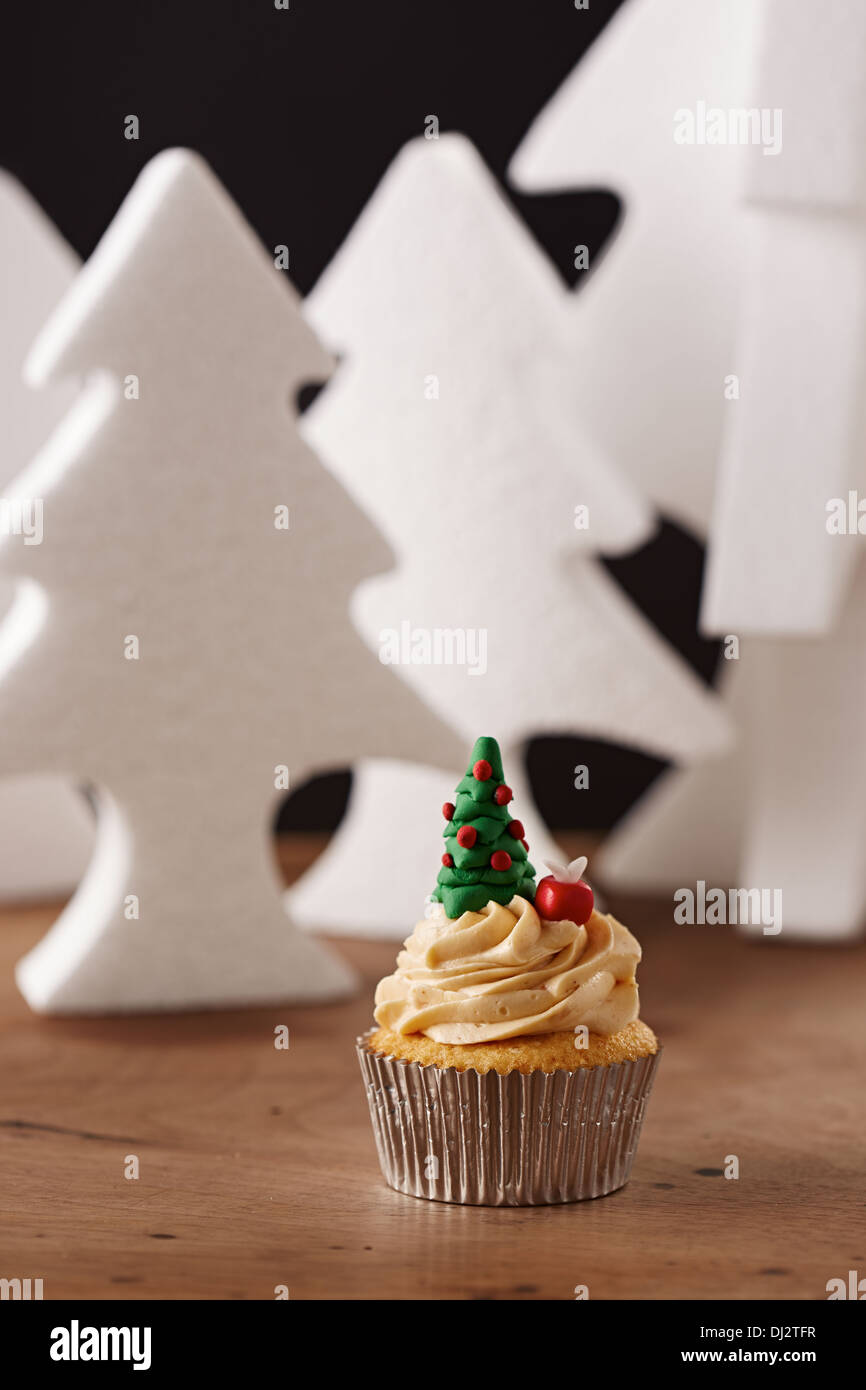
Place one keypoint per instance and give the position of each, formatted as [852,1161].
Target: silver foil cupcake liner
[516,1140]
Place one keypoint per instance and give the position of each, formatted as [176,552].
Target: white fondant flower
[567,873]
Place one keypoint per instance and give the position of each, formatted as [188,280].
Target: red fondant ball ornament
[482,771]
[466,836]
[500,860]
[502,795]
[564,896]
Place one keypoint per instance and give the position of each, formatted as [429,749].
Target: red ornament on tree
[502,795]
[482,771]
[563,896]
[448,810]
[500,861]
[515,830]
[466,836]
[447,861]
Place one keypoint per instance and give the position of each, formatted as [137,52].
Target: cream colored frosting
[504,972]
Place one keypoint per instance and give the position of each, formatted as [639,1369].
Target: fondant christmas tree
[486,856]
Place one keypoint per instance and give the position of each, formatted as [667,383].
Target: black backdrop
[300,112]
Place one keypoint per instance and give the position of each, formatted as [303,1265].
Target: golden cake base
[546,1052]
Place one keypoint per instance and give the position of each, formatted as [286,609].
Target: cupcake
[509,1066]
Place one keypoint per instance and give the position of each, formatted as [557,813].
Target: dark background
[300,112]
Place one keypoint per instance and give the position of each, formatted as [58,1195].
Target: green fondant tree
[485,855]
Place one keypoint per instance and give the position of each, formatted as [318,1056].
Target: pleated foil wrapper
[517,1140]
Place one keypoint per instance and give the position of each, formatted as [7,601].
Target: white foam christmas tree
[717,269]
[795,443]
[653,324]
[676,261]
[795,440]
[181,635]
[451,418]
[807,797]
[792,795]
[46,828]
[692,822]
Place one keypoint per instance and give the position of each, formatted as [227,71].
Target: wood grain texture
[257,1166]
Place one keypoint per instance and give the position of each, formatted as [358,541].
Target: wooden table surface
[257,1166]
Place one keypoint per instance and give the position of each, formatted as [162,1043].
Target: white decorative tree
[790,798]
[693,822]
[676,260]
[180,636]
[46,828]
[451,418]
[795,443]
[653,324]
[792,440]
[795,440]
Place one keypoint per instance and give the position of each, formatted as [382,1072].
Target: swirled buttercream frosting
[505,972]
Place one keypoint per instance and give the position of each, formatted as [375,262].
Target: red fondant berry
[466,836]
[525,844]
[448,810]
[500,861]
[502,795]
[515,830]
[482,771]
[447,861]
